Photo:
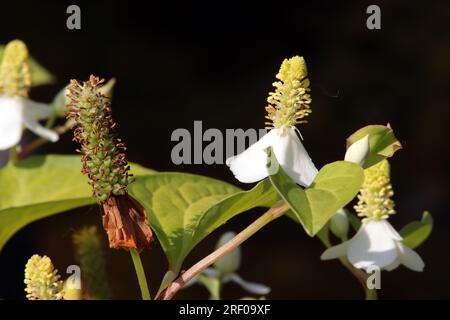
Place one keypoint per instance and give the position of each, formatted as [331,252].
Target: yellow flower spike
[290,103]
[375,201]
[15,76]
[42,279]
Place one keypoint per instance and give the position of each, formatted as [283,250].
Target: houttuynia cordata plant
[139,206]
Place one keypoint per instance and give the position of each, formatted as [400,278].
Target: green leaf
[382,143]
[184,208]
[39,75]
[335,185]
[416,232]
[41,186]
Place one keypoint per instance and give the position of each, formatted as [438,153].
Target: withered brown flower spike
[124,218]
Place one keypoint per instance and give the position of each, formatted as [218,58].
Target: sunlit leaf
[416,232]
[184,208]
[382,143]
[42,186]
[335,185]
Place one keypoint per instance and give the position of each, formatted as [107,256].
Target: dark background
[215,63]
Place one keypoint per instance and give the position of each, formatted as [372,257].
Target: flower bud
[231,262]
[358,151]
[339,224]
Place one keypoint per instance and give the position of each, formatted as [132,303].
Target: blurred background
[215,63]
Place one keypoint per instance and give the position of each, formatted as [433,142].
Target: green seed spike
[89,254]
[103,153]
[290,103]
[15,76]
[124,218]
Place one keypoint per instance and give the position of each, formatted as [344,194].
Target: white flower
[225,271]
[250,166]
[213,274]
[18,112]
[376,243]
[251,287]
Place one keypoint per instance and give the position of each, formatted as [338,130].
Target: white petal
[334,252]
[372,245]
[10,122]
[393,265]
[252,287]
[211,272]
[37,110]
[293,157]
[391,231]
[410,259]
[250,165]
[31,123]
[358,151]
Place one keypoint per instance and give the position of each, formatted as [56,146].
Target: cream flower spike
[42,279]
[288,106]
[376,242]
[16,110]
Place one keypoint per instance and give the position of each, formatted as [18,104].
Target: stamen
[15,76]
[290,103]
[375,195]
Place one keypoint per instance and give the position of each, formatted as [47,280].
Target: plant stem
[270,215]
[41,141]
[51,120]
[140,274]
[12,155]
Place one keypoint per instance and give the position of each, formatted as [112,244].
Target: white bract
[17,113]
[251,165]
[288,105]
[251,287]
[358,151]
[376,243]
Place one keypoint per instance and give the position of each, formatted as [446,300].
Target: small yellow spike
[290,102]
[15,77]
[375,195]
[42,279]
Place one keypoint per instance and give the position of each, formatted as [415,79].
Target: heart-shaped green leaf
[184,208]
[416,232]
[382,143]
[41,186]
[39,75]
[335,185]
